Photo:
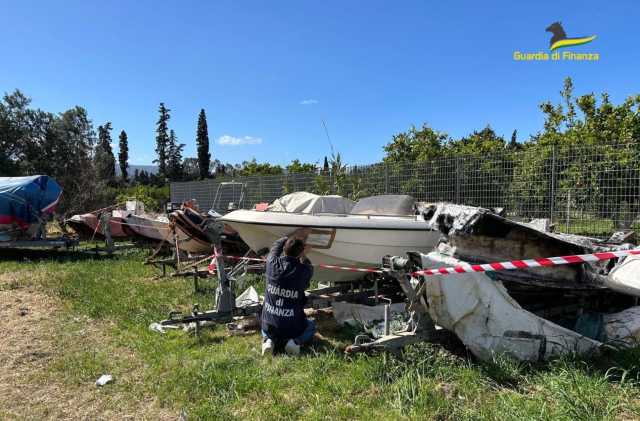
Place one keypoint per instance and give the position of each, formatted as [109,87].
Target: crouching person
[288,274]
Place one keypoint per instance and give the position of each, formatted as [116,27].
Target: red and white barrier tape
[349,269]
[529,263]
[488,267]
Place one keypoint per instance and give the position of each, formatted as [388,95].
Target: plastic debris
[249,296]
[104,379]
[157,327]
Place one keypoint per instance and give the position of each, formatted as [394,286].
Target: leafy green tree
[252,167]
[162,140]
[202,140]
[482,168]
[416,145]
[299,176]
[298,167]
[15,123]
[191,169]
[416,164]
[123,155]
[592,149]
[104,160]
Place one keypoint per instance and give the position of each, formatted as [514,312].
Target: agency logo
[559,40]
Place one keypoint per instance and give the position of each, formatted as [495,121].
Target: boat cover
[390,204]
[23,200]
[305,202]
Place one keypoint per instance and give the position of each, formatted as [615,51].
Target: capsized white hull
[347,240]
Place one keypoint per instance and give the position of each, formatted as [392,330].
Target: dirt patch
[32,343]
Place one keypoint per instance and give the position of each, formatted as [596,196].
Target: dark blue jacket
[287,279]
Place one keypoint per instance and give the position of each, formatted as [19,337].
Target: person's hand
[303,255]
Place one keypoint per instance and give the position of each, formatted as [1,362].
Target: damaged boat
[343,233]
[26,203]
[533,313]
[87,226]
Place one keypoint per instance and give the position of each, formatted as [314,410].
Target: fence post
[260,193]
[386,179]
[457,186]
[552,199]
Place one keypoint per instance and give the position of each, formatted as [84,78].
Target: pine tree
[202,140]
[143,177]
[162,140]
[104,160]
[136,176]
[513,144]
[174,158]
[123,155]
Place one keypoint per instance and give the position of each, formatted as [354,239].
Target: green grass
[216,376]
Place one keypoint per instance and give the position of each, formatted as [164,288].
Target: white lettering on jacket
[282,292]
[277,311]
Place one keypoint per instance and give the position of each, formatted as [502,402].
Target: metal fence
[592,190]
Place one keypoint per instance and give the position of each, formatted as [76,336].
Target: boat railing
[361,215]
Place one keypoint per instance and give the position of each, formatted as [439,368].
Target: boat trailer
[392,285]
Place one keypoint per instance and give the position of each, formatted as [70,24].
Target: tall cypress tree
[202,140]
[123,155]
[104,160]
[325,167]
[162,140]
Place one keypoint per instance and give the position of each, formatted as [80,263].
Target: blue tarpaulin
[24,200]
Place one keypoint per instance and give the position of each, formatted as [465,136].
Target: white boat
[152,228]
[375,227]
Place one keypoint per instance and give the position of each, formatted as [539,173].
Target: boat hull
[149,229]
[85,226]
[340,241]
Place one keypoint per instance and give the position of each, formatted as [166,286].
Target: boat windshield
[385,205]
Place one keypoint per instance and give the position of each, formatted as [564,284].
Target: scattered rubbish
[248,296]
[157,327]
[104,379]
[353,314]
[183,415]
[621,237]
[243,325]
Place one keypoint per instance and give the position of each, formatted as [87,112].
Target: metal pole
[387,319]
[386,179]
[552,199]
[457,188]
[568,210]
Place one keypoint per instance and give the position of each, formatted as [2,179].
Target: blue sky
[268,72]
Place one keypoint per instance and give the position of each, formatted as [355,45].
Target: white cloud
[309,102]
[235,141]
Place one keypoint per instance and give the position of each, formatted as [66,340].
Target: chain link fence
[589,190]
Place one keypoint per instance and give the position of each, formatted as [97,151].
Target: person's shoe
[267,347]
[292,348]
